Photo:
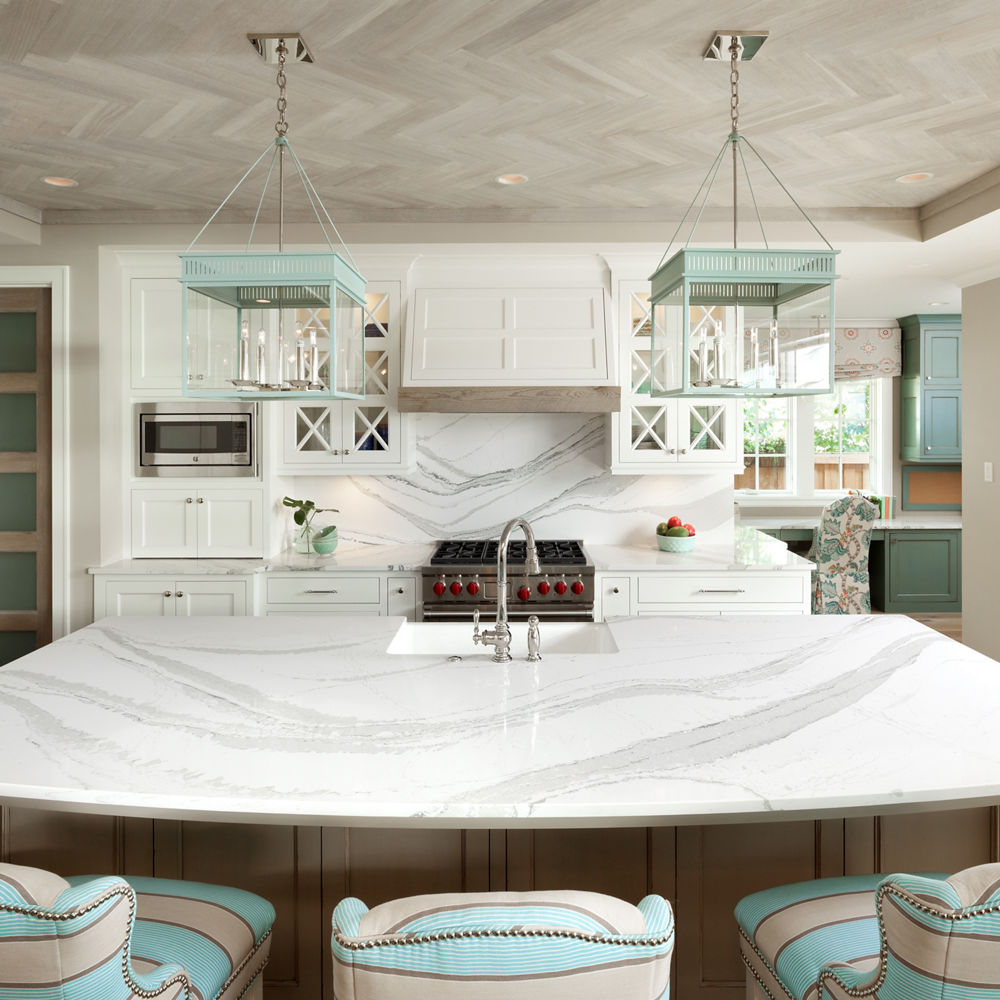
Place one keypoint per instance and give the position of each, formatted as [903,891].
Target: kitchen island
[707,758]
[309,720]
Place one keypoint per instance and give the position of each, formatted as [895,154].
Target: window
[805,446]
[842,438]
[766,423]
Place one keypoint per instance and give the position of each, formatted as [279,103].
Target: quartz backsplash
[474,472]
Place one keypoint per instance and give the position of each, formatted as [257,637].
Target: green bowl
[675,543]
[325,545]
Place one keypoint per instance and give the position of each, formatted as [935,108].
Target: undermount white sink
[455,639]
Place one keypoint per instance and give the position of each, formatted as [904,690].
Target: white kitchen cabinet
[497,336]
[341,593]
[203,523]
[166,596]
[704,592]
[351,436]
[682,434]
[155,333]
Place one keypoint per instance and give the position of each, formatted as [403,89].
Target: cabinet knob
[201,499]
[180,593]
[614,590]
[188,500]
[684,451]
[347,451]
[167,593]
[400,590]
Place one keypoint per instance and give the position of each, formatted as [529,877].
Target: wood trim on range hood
[510,399]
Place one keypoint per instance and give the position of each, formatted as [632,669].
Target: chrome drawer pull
[321,591]
[706,590]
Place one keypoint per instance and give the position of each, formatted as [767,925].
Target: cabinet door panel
[164,524]
[230,523]
[139,595]
[401,596]
[156,333]
[924,570]
[942,423]
[942,357]
[64,843]
[211,597]
[936,842]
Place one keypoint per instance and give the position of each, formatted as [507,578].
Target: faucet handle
[534,640]
[475,626]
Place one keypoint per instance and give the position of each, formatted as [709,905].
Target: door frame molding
[55,278]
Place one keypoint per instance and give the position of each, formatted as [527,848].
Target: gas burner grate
[473,551]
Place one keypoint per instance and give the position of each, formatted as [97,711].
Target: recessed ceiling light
[915,178]
[512,179]
[937,303]
[61,182]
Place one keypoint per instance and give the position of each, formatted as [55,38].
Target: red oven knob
[473,588]
[577,587]
[524,593]
[456,588]
[439,588]
[544,588]
[561,587]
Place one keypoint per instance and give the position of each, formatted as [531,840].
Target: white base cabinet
[332,593]
[167,596]
[186,523]
[703,593]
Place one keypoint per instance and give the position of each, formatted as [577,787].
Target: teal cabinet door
[924,571]
[942,424]
[942,356]
[930,403]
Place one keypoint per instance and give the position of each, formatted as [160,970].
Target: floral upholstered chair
[840,550]
[551,945]
[875,937]
[107,938]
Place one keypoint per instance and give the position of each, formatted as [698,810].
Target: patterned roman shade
[867,352]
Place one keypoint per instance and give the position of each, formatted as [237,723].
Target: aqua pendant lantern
[742,322]
[282,325]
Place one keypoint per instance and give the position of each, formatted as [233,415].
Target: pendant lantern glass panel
[743,323]
[265,325]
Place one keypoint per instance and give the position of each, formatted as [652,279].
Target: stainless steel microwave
[197,439]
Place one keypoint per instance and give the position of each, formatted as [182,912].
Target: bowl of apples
[673,535]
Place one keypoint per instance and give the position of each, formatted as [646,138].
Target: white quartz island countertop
[307,719]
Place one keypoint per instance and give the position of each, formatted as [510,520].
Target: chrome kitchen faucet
[499,636]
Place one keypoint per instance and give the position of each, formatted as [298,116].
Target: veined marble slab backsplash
[474,472]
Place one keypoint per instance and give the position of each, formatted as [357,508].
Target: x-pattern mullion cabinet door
[362,435]
[659,434]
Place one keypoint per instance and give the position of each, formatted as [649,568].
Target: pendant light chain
[281,126]
[734,83]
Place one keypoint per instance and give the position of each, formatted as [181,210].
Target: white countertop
[308,720]
[744,548]
[910,522]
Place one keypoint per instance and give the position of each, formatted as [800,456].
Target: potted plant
[324,539]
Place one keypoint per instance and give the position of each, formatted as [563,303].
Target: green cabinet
[931,389]
[919,570]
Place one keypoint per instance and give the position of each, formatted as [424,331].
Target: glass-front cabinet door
[678,434]
[362,435]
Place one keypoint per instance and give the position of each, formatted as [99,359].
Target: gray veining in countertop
[308,719]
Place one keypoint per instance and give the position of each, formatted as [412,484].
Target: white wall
[980,443]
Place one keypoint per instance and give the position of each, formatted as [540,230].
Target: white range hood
[525,334]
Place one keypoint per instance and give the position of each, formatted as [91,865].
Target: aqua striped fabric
[896,937]
[466,946]
[103,938]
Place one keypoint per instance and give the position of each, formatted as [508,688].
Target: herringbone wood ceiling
[413,106]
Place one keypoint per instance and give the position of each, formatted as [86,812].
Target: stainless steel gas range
[462,577]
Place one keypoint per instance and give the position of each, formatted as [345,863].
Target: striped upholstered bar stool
[895,937]
[104,938]
[562,945]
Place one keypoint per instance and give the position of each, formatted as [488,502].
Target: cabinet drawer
[323,590]
[698,589]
